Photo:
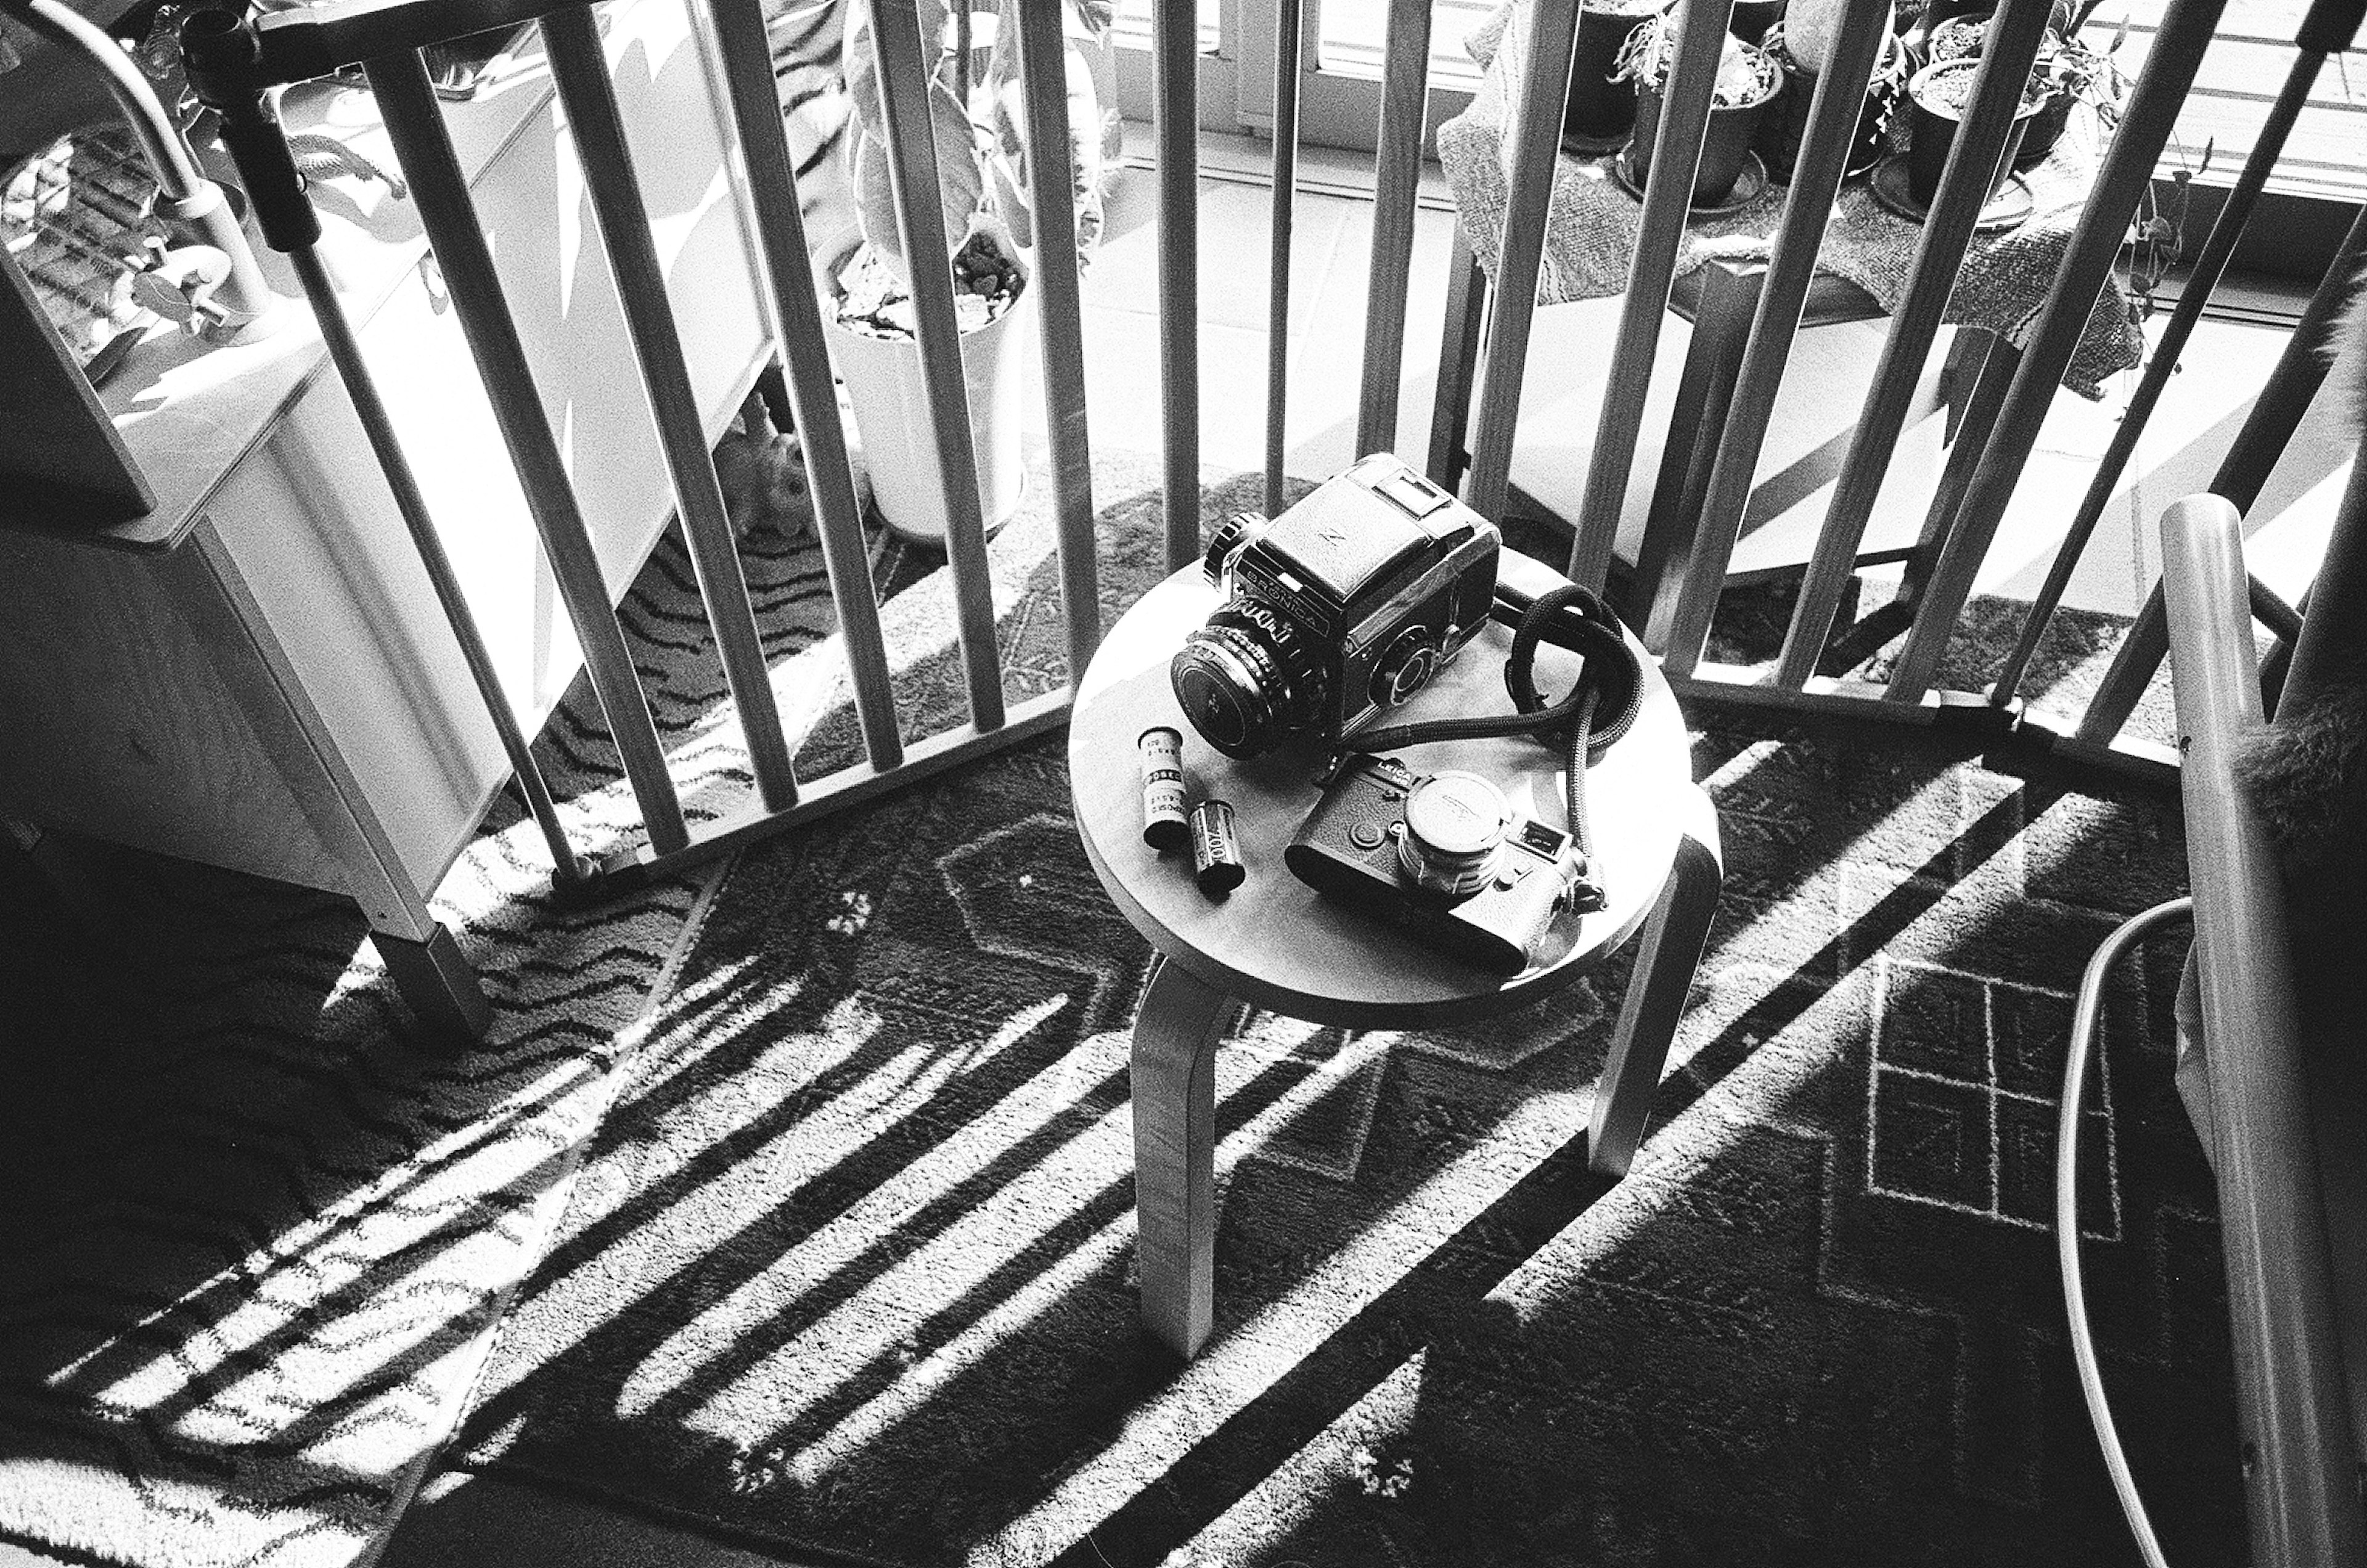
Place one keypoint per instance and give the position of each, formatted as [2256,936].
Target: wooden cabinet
[256,673]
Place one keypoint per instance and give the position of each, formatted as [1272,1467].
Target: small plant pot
[1936,100]
[1785,123]
[2046,128]
[1726,143]
[889,398]
[1958,37]
[1751,18]
[1598,109]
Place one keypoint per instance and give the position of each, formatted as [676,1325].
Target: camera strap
[1583,724]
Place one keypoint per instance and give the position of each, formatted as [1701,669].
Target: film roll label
[1215,854]
[1165,826]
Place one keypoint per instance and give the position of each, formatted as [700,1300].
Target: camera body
[1335,612]
[1443,857]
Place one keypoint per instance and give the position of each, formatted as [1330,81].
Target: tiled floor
[459,1520]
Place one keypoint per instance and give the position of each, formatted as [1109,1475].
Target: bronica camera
[1341,608]
[1445,857]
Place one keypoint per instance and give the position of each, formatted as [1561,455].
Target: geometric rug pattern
[848,1270]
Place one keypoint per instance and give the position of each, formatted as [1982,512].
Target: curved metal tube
[196,200]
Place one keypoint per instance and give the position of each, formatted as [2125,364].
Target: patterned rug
[845,1274]
[255,1238]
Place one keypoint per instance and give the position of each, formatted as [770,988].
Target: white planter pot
[889,398]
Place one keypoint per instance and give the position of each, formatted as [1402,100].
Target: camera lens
[1246,680]
[1454,825]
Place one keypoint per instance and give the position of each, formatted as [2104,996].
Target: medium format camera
[1445,858]
[1342,607]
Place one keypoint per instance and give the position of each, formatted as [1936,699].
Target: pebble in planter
[1748,81]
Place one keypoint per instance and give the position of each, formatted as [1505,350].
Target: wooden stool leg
[1174,1082]
[436,981]
[1673,940]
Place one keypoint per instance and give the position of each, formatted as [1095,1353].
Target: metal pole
[289,225]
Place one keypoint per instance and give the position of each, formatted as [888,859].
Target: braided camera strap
[1588,721]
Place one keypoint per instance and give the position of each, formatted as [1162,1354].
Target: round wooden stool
[1275,943]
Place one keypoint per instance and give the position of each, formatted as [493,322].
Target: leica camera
[1335,612]
[1443,857]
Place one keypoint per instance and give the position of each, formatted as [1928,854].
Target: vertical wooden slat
[2145,128]
[912,179]
[378,428]
[1536,138]
[1667,197]
[1288,19]
[1992,378]
[1458,357]
[1947,231]
[580,72]
[1405,96]
[1678,626]
[1722,315]
[439,193]
[746,57]
[1174,116]
[2300,370]
[1044,84]
[2226,228]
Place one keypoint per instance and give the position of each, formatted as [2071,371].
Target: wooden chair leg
[1673,940]
[1722,315]
[436,980]
[1174,1078]
[1459,364]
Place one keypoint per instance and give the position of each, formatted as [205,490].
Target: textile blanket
[1592,224]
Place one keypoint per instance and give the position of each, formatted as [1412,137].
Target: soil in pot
[1785,122]
[1937,100]
[1740,102]
[879,359]
[1599,108]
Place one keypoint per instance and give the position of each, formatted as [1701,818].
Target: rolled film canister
[1215,854]
[1165,824]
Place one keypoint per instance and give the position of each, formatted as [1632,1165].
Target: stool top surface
[1274,941]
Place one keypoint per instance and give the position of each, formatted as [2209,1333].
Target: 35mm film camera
[1341,608]
[1443,857]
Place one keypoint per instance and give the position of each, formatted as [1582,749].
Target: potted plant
[1747,82]
[1801,45]
[2070,73]
[1937,97]
[976,121]
[1600,108]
